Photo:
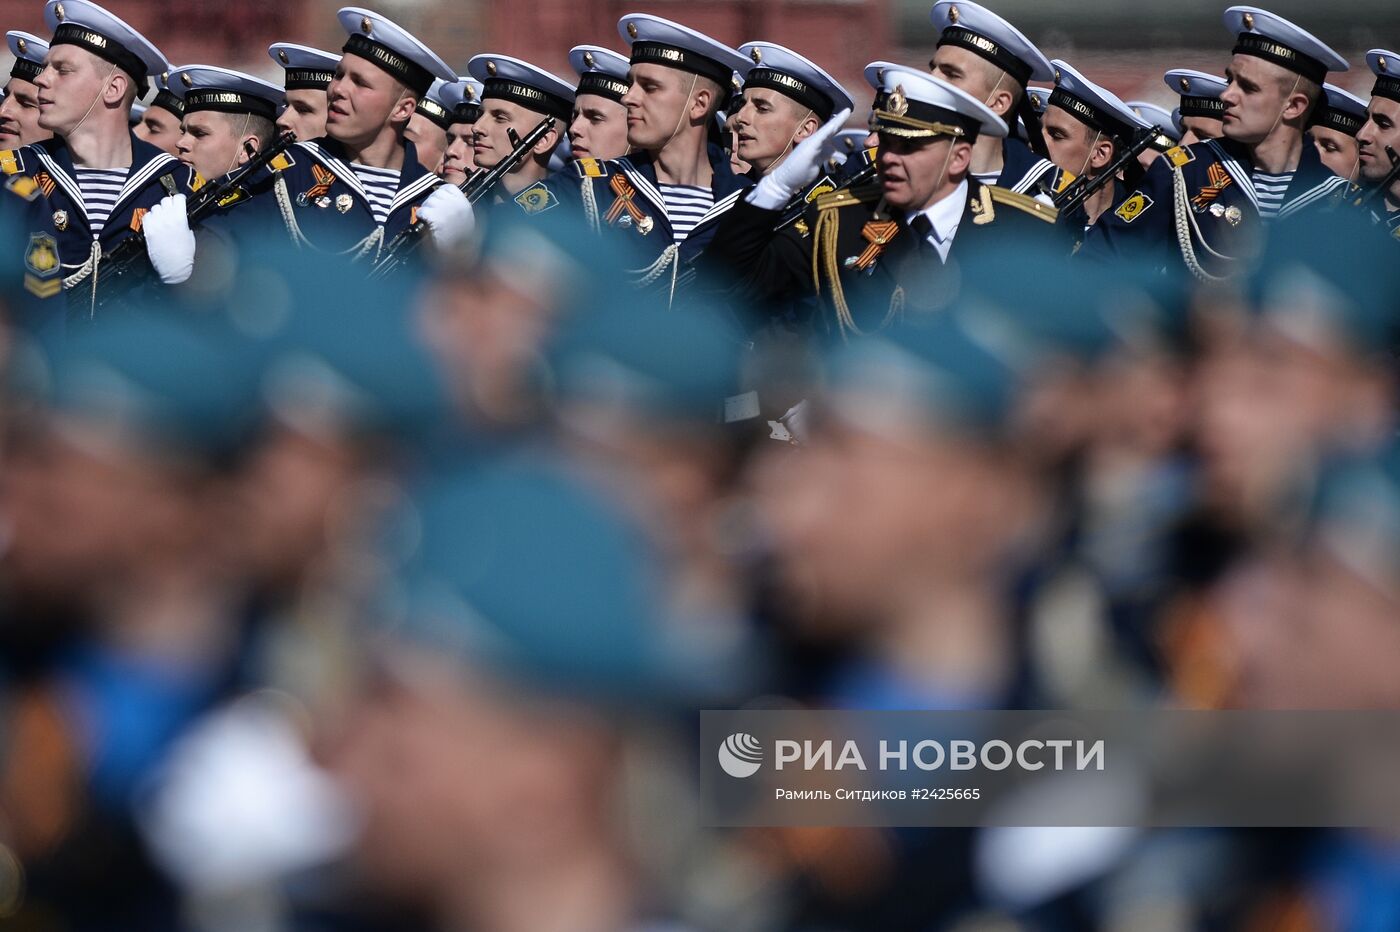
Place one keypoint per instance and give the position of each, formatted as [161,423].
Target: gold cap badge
[1249,20]
[1382,64]
[632,30]
[58,12]
[898,104]
[588,59]
[22,45]
[1185,85]
[186,80]
[756,55]
[953,15]
[366,25]
[491,68]
[282,56]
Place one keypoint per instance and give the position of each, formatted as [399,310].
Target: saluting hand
[798,170]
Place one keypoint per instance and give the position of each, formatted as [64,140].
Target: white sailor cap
[89,26]
[600,71]
[1340,110]
[434,106]
[1385,65]
[29,51]
[463,98]
[657,41]
[506,78]
[843,145]
[1152,115]
[1200,94]
[979,30]
[208,87]
[792,75]
[1095,107]
[166,98]
[919,105]
[875,77]
[307,69]
[380,40]
[138,110]
[1265,35]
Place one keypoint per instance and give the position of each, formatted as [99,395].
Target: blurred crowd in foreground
[335,605]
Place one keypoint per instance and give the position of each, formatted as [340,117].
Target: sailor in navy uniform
[1336,121]
[100,183]
[361,185]
[667,197]
[226,113]
[598,129]
[971,37]
[160,121]
[1207,204]
[308,72]
[786,98]
[884,249]
[517,95]
[19,109]
[464,98]
[1382,129]
[1086,128]
[427,128]
[1200,111]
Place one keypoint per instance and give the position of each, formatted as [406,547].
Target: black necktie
[922,227]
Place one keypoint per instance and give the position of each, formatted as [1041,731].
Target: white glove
[169,239]
[775,189]
[448,214]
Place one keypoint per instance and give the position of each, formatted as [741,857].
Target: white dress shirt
[945,215]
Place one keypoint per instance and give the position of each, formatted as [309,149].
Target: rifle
[798,205]
[1084,187]
[1391,177]
[120,269]
[475,188]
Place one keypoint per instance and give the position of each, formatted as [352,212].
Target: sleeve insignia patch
[536,199]
[1133,207]
[41,266]
[24,186]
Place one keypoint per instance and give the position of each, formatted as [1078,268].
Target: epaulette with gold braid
[1024,203]
[865,194]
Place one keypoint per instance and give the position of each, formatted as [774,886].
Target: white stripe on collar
[1236,171]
